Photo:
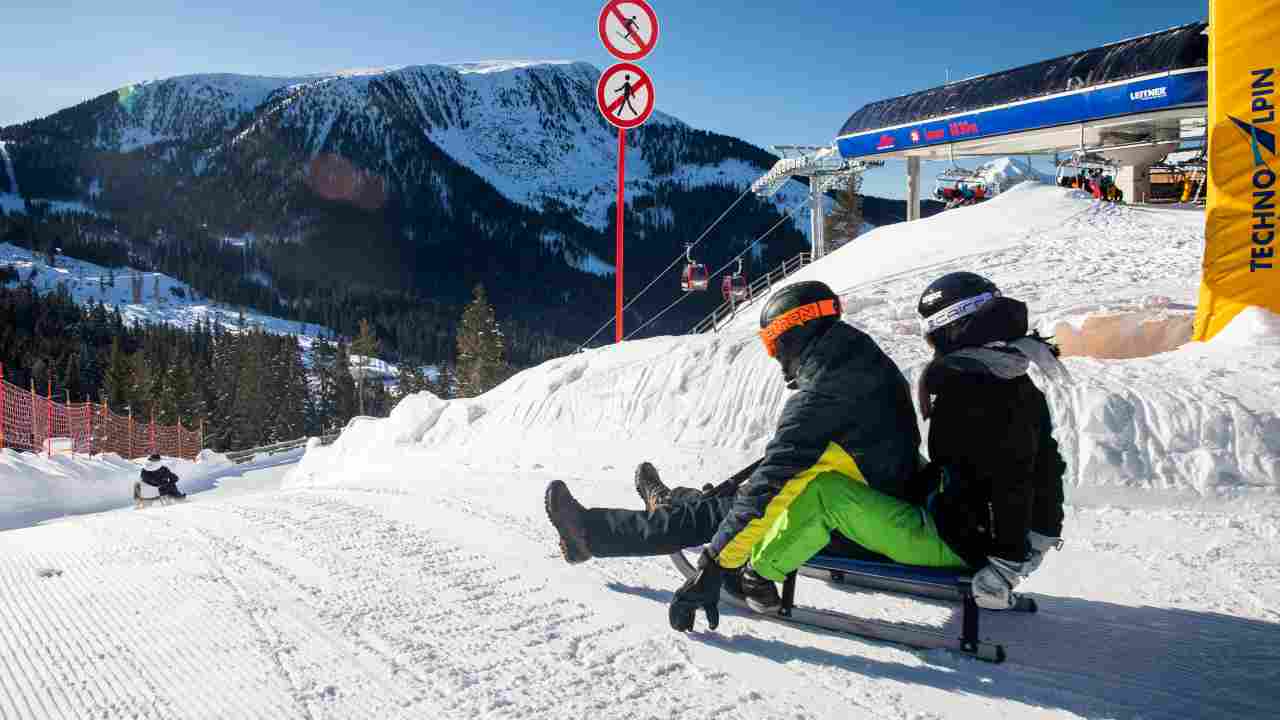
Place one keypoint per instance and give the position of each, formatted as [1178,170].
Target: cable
[667,269]
[724,267]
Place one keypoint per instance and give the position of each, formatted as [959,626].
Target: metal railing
[243,456]
[761,287]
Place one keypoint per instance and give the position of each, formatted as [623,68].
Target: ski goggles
[795,318]
[955,311]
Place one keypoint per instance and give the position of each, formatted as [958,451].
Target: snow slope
[165,300]
[408,570]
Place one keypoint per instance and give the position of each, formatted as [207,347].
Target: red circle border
[602,103]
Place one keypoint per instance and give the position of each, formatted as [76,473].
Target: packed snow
[408,569]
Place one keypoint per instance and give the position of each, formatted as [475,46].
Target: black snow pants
[690,521]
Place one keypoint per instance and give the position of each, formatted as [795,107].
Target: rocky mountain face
[420,181]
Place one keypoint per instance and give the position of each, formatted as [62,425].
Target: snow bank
[1253,327]
[34,488]
[1179,422]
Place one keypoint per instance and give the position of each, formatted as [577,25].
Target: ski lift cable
[677,261]
[724,267]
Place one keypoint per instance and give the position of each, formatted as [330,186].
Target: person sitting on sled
[850,421]
[157,475]
[996,506]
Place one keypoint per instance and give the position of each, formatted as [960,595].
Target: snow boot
[759,592]
[172,491]
[565,513]
[650,487]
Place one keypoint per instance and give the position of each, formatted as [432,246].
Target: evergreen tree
[845,221]
[324,401]
[118,389]
[481,362]
[344,393]
[365,347]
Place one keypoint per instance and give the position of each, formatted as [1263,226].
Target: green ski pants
[903,532]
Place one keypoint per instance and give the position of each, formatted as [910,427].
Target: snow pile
[1253,327]
[1173,425]
[34,487]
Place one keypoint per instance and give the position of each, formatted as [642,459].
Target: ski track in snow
[369,601]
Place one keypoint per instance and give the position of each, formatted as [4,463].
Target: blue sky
[784,72]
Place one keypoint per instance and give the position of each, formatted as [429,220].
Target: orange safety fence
[29,421]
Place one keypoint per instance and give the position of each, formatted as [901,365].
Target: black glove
[702,590]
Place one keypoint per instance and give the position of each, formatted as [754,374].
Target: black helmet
[795,316]
[962,309]
[155,457]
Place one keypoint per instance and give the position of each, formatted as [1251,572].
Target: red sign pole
[629,30]
[622,211]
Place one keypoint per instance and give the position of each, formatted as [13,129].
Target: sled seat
[940,583]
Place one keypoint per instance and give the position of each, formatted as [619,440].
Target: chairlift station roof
[1146,90]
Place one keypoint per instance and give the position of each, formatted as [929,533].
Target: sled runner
[924,582]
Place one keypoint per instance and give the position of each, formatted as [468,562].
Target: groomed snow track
[372,602]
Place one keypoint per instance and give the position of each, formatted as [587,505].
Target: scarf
[1004,359]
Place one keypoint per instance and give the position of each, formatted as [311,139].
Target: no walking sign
[629,31]
[625,96]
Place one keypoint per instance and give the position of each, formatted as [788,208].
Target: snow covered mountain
[531,129]
[452,174]
[1006,172]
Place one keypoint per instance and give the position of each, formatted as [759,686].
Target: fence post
[1,406]
[201,433]
[48,412]
[153,429]
[34,437]
[180,436]
[88,423]
[130,432]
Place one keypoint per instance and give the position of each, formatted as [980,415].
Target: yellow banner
[1241,263]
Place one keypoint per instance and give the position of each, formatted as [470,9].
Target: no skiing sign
[628,29]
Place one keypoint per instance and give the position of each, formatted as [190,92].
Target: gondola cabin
[734,287]
[694,277]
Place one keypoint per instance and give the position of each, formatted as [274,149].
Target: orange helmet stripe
[795,318]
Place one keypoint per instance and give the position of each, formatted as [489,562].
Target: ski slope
[408,570]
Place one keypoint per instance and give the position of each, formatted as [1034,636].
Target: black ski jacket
[159,477]
[852,414]
[1004,473]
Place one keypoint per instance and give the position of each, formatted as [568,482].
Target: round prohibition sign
[625,96]
[628,29]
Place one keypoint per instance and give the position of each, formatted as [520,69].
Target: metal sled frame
[924,582]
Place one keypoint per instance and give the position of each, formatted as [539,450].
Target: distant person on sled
[157,475]
[851,402]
